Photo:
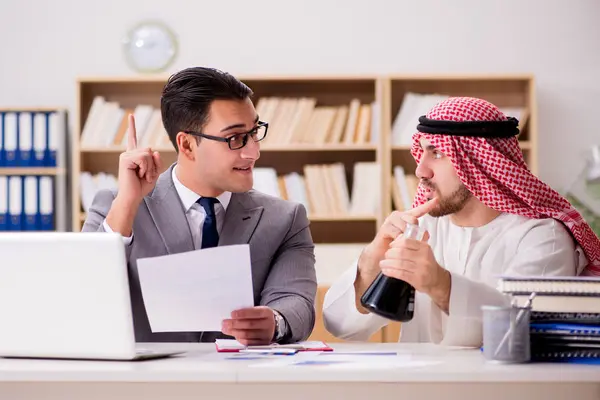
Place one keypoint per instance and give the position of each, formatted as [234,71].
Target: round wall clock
[150,47]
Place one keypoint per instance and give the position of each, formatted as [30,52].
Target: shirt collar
[189,197]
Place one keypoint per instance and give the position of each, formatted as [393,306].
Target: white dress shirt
[194,212]
[475,257]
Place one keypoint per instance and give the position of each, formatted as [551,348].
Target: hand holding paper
[251,326]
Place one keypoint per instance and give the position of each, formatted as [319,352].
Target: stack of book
[565,317]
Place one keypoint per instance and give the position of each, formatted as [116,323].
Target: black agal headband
[487,129]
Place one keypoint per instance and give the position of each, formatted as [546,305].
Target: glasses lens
[260,133]
[238,141]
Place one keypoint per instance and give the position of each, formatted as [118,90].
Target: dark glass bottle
[390,298]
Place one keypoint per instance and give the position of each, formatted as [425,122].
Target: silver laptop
[66,295]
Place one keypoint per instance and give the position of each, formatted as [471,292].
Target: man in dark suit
[205,199]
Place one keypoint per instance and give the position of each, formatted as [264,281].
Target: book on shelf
[302,120]
[414,105]
[404,189]
[106,125]
[291,121]
[323,189]
[90,184]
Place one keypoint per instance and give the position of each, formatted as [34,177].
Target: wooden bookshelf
[384,94]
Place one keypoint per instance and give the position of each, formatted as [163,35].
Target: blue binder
[10,139]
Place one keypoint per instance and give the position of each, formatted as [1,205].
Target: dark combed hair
[187,96]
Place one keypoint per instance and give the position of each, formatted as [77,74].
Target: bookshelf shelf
[337,137]
[31,109]
[31,171]
[325,147]
[347,218]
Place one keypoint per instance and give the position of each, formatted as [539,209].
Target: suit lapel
[241,219]
[168,214]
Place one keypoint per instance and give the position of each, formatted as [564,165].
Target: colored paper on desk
[232,345]
[195,291]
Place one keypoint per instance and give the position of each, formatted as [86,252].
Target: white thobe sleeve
[340,316]
[542,252]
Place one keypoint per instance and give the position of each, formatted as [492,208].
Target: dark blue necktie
[210,235]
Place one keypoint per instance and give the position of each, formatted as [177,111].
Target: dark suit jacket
[281,248]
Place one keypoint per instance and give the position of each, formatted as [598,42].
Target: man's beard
[451,204]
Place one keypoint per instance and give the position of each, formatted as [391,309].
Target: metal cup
[506,334]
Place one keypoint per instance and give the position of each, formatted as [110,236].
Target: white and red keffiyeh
[495,172]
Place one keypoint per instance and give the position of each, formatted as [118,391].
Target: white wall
[45,44]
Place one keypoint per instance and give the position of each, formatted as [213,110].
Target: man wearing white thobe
[485,215]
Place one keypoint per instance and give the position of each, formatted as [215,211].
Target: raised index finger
[423,208]
[131,134]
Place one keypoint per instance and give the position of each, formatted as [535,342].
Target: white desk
[444,374]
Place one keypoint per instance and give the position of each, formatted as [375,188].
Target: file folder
[3,203]
[46,206]
[10,139]
[15,203]
[25,139]
[39,139]
[30,200]
[53,137]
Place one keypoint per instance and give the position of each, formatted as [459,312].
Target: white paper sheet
[196,290]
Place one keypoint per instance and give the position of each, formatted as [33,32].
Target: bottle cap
[414,232]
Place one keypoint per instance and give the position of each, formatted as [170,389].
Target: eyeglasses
[238,140]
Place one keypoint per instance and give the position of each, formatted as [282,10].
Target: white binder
[25,139]
[15,199]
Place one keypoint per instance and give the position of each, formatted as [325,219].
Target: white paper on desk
[194,291]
